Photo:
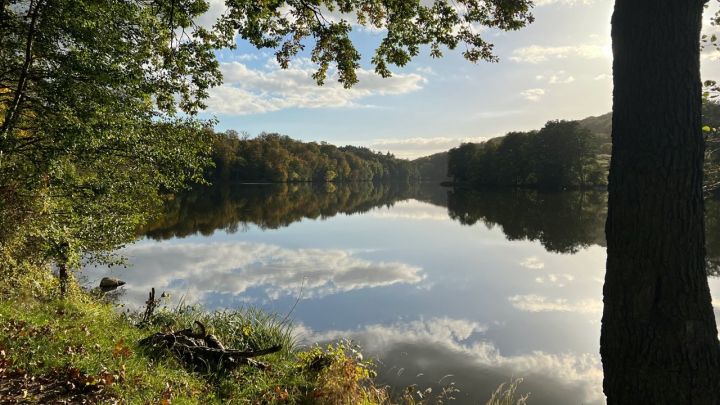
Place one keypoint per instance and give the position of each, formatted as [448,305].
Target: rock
[109,283]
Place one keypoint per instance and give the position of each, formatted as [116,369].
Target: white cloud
[537,54]
[557,280]
[246,56]
[252,91]
[533,262]
[560,78]
[199,269]
[436,330]
[533,94]
[603,76]
[712,55]
[411,210]
[216,9]
[426,70]
[537,303]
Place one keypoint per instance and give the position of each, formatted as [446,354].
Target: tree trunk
[659,342]
[15,106]
[63,278]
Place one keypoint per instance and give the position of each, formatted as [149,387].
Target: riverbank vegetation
[81,348]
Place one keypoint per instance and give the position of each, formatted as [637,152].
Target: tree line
[271,157]
[433,167]
[563,154]
[560,155]
[205,210]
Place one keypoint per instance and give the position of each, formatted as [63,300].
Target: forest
[563,154]
[275,158]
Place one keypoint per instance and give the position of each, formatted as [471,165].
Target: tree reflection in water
[563,222]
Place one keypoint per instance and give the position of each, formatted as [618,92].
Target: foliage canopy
[408,25]
[89,128]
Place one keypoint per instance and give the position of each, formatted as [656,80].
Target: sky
[559,67]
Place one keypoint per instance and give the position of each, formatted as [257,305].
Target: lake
[439,285]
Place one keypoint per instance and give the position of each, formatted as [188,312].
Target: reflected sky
[258,271]
[430,282]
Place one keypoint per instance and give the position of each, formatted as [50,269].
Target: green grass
[41,333]
[91,337]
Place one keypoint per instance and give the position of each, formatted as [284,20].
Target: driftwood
[150,306]
[203,352]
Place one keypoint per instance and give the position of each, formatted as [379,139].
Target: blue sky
[557,68]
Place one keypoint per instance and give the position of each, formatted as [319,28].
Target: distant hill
[561,155]
[517,158]
[433,167]
[600,125]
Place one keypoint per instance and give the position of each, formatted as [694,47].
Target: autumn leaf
[121,349]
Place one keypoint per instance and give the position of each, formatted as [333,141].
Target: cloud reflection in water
[198,269]
[424,351]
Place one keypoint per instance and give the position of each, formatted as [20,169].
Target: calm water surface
[439,285]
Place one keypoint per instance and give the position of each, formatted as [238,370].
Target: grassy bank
[79,347]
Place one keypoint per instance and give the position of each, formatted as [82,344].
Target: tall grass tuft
[246,328]
[506,394]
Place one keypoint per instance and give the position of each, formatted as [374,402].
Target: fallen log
[203,352]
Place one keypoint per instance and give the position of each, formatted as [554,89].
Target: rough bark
[659,341]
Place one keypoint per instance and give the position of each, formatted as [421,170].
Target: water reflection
[432,281]
[269,206]
[539,303]
[562,222]
[200,270]
[430,352]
